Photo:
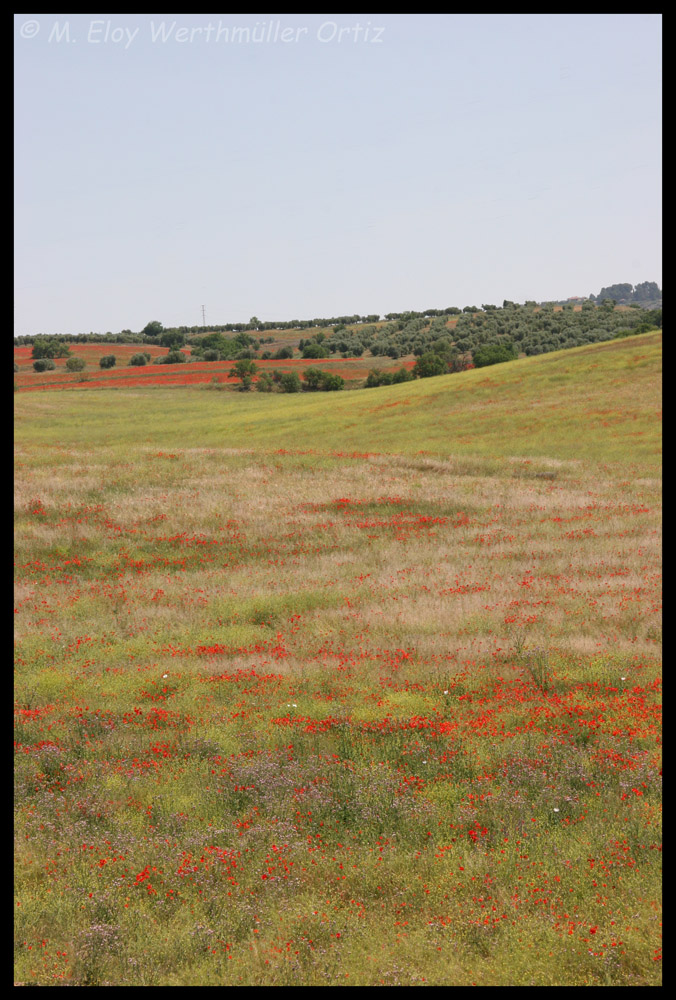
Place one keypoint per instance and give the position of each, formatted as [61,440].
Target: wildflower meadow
[357,689]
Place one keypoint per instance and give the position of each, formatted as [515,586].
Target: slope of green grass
[600,402]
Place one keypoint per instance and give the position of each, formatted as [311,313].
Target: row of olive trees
[531,329]
[75,364]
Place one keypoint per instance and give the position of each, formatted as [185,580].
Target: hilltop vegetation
[533,328]
[529,329]
[451,340]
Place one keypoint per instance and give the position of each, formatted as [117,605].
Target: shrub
[402,375]
[430,364]
[314,350]
[645,327]
[211,355]
[493,354]
[290,382]
[174,358]
[331,382]
[138,359]
[107,361]
[217,342]
[460,364]
[313,378]
[76,364]
[283,353]
[376,378]
[44,365]
[264,383]
[324,381]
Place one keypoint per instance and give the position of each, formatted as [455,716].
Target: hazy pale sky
[292,166]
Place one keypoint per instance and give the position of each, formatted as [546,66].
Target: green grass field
[343,689]
[589,402]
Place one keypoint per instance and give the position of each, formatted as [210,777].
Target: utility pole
[204,322]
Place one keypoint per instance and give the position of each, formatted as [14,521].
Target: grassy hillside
[342,689]
[599,402]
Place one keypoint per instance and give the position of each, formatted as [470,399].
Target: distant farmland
[191,373]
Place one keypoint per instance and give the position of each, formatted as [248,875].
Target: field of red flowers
[192,373]
[292,718]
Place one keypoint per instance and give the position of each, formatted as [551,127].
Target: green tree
[44,365]
[283,353]
[49,347]
[619,292]
[76,364]
[374,379]
[138,360]
[107,361]
[244,370]
[152,329]
[402,375]
[314,350]
[647,291]
[173,339]
[430,364]
[313,378]
[244,339]
[217,342]
[444,348]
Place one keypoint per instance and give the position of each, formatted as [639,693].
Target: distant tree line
[647,292]
[451,340]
